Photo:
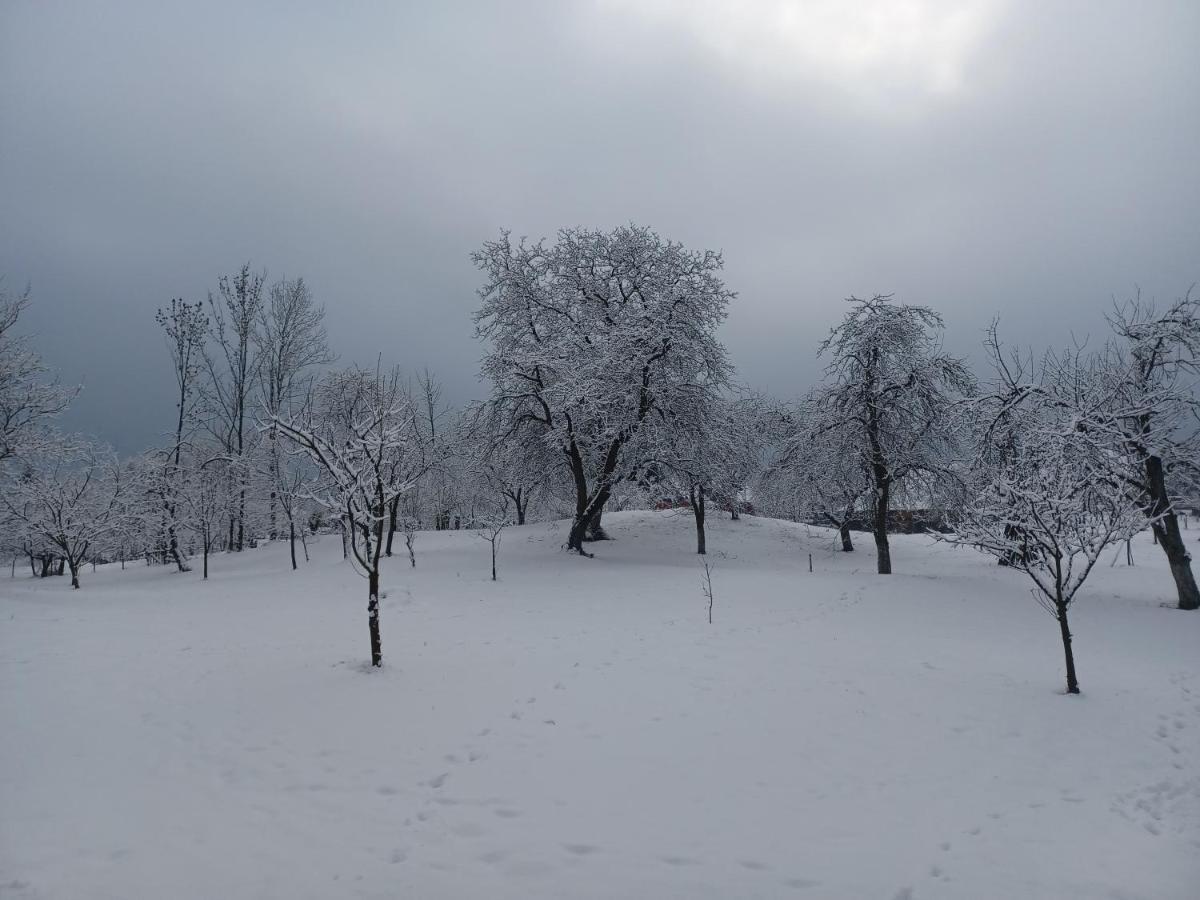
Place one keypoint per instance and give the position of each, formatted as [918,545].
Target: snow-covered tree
[68,496]
[818,473]
[592,336]
[206,501]
[706,453]
[360,432]
[892,387]
[27,396]
[291,341]
[186,328]
[1151,372]
[232,365]
[1045,501]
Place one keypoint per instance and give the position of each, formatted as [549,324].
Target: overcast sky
[1030,160]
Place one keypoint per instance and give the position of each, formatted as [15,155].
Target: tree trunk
[493,560]
[522,503]
[882,551]
[393,513]
[373,617]
[204,551]
[1166,532]
[844,531]
[697,500]
[292,542]
[595,527]
[75,575]
[1072,681]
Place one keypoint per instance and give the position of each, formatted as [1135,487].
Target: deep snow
[578,729]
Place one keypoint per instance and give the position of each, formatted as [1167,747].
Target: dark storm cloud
[1029,160]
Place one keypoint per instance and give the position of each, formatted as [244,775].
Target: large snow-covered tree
[592,336]
[891,385]
[361,433]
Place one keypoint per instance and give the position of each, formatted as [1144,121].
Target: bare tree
[290,341]
[360,435]
[1046,503]
[186,328]
[233,370]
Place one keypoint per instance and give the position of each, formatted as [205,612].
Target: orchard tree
[890,385]
[818,471]
[592,336]
[1150,373]
[1046,503]
[68,495]
[360,434]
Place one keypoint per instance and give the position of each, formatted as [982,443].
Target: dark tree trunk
[204,551]
[883,552]
[393,513]
[844,531]
[75,575]
[493,560]
[522,503]
[1072,681]
[373,617]
[292,542]
[696,498]
[595,527]
[1167,534]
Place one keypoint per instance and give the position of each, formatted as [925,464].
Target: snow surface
[579,730]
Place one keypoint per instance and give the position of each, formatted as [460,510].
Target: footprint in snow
[438,781]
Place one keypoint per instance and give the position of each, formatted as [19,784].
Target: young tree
[26,398]
[68,496]
[207,500]
[489,527]
[818,473]
[589,338]
[186,328]
[360,434]
[1046,503]
[892,387]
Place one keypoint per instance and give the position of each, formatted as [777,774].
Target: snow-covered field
[578,729]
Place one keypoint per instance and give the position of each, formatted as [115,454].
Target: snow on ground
[579,730]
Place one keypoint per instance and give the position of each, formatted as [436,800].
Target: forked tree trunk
[75,575]
[373,616]
[1072,681]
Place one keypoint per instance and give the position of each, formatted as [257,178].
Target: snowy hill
[578,729]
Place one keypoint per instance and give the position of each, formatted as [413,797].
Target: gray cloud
[1027,160]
